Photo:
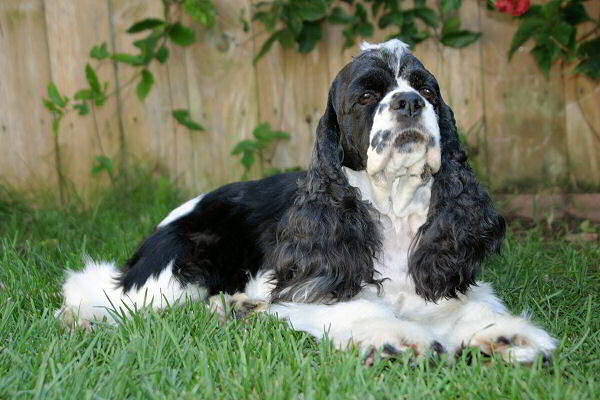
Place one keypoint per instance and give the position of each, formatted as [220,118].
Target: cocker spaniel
[377,245]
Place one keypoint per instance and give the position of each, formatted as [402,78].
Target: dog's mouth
[407,139]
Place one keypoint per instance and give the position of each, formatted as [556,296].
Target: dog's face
[387,107]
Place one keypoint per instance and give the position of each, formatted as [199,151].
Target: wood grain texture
[27,160]
[583,121]
[524,113]
[83,24]
[292,93]
[148,125]
[459,74]
[529,131]
[222,94]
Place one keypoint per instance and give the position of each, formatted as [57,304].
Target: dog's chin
[412,153]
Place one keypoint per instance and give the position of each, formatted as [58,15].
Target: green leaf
[244,146]
[266,46]
[365,29]
[201,11]
[460,39]
[149,23]
[147,46]
[309,10]
[589,48]
[450,5]
[563,33]
[339,16]
[99,52]
[181,35]
[309,37]
[551,9]
[162,55]
[82,108]
[589,52]
[428,16]
[102,163]
[50,106]
[183,117]
[130,59]
[589,67]
[145,84]
[544,56]
[92,79]
[263,133]
[391,18]
[528,27]
[451,25]
[269,19]
[84,94]
[55,96]
[575,13]
[247,159]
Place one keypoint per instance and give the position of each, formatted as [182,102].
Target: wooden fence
[525,131]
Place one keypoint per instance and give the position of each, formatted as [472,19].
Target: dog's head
[384,115]
[387,108]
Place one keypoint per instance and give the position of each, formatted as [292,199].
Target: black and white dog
[378,244]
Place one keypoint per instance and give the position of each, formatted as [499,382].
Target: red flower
[513,7]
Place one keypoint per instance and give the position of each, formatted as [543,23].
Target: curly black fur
[462,226]
[328,239]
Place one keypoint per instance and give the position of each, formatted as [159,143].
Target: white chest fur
[402,209]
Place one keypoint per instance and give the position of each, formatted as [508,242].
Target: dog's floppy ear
[327,240]
[462,227]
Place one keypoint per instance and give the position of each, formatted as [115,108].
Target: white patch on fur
[180,211]
[93,295]
[260,287]
[403,319]
[395,46]
[389,162]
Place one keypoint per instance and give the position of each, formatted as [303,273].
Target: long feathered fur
[462,226]
[327,241]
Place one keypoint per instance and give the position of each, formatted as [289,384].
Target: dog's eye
[428,94]
[367,98]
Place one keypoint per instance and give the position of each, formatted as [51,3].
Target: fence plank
[73,29]
[27,160]
[222,93]
[532,126]
[458,72]
[148,125]
[293,90]
[583,121]
[524,113]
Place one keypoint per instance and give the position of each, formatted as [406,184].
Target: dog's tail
[95,294]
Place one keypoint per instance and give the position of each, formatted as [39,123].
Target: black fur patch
[328,239]
[462,227]
[222,242]
[383,138]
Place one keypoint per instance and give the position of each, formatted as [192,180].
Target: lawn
[185,353]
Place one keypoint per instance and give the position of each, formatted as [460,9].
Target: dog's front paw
[392,338]
[238,305]
[515,340]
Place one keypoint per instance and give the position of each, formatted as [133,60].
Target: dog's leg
[482,321]
[369,325]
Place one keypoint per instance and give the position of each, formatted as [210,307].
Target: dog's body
[377,244]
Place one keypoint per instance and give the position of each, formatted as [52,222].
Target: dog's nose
[408,104]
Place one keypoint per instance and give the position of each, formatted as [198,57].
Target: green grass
[184,353]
